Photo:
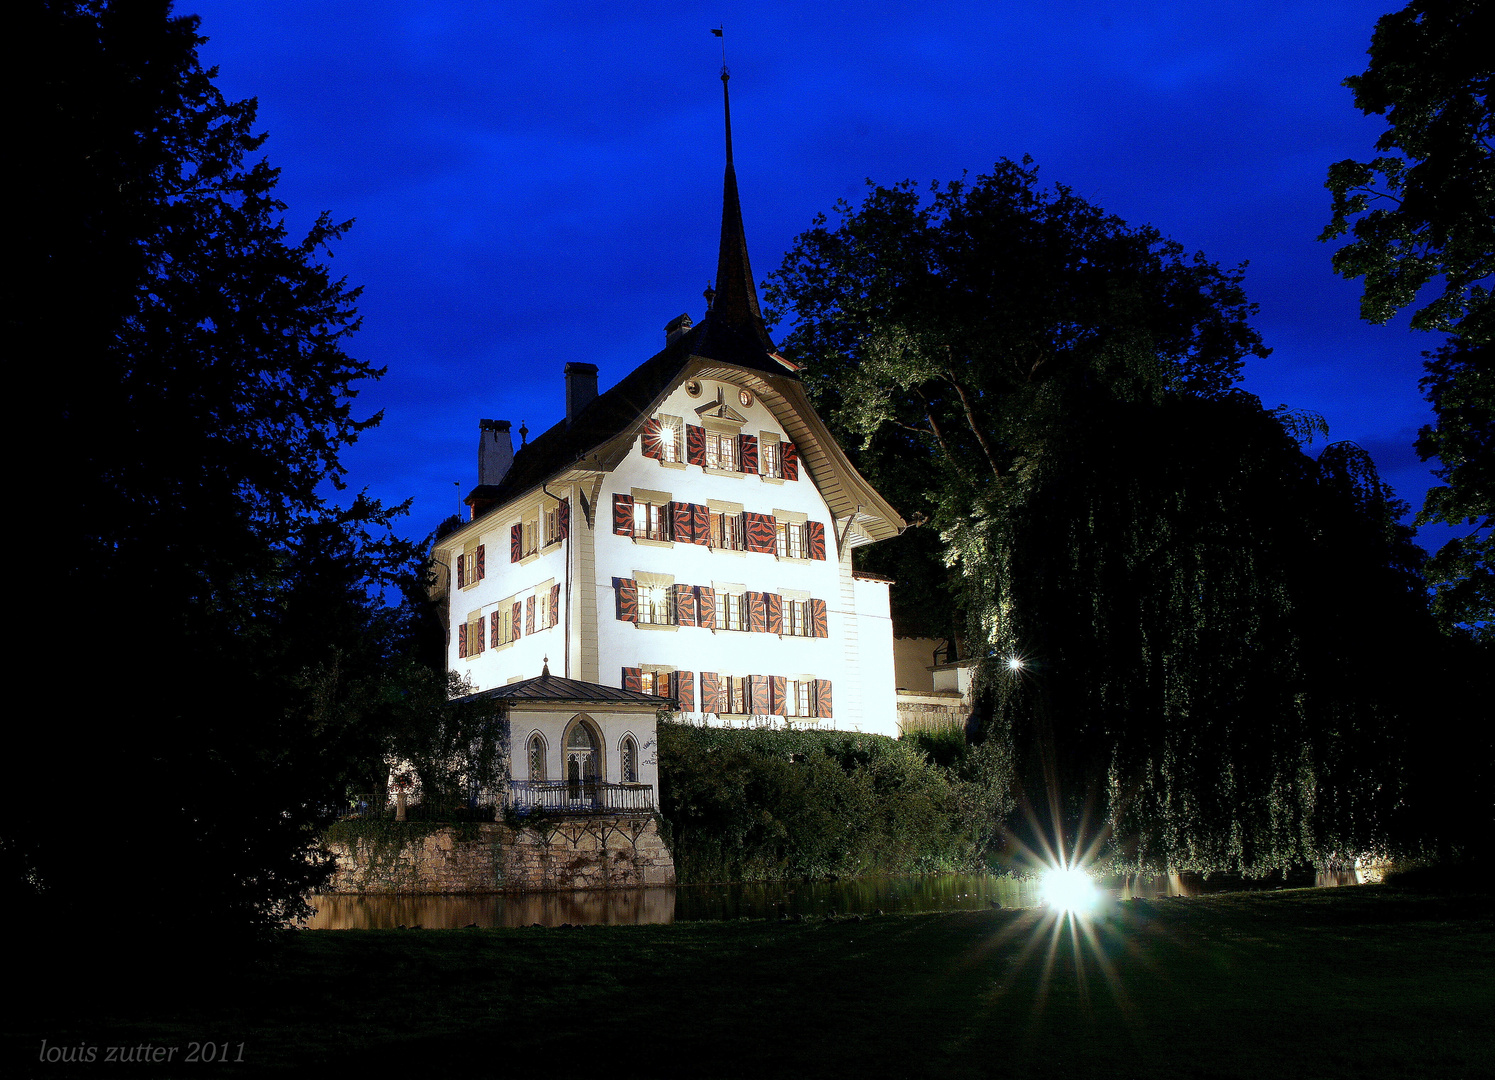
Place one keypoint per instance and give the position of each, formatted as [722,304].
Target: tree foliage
[1205,621]
[221,657]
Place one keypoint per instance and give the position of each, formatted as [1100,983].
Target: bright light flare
[1069,890]
[1015,663]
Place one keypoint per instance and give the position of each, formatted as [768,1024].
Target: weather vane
[718,31]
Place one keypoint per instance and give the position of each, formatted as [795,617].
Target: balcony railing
[580,797]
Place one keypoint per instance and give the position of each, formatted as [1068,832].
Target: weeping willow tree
[1193,633]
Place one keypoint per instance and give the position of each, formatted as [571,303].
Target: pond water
[863,896]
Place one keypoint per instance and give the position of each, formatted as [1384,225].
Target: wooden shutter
[461,571]
[516,543]
[700,523]
[773,604]
[711,692]
[555,604]
[682,520]
[515,619]
[685,605]
[627,599]
[760,533]
[462,640]
[695,445]
[757,694]
[776,687]
[633,679]
[480,564]
[529,615]
[820,692]
[563,519]
[653,443]
[477,635]
[623,515]
[818,625]
[705,606]
[495,622]
[815,539]
[683,690]
[757,612]
[790,455]
[747,453]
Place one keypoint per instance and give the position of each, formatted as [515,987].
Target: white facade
[845,676]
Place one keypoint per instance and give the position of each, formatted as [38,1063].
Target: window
[790,540]
[768,459]
[797,618]
[552,526]
[727,532]
[542,609]
[731,611]
[503,624]
[721,451]
[651,521]
[536,757]
[797,697]
[656,605]
[629,755]
[671,432]
[531,537]
[734,693]
[656,683]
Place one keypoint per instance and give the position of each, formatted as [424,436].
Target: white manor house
[682,540]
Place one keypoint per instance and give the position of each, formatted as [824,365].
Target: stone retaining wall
[604,852]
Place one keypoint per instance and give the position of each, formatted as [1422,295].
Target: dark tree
[1425,211]
[219,658]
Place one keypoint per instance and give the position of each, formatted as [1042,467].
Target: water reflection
[771,900]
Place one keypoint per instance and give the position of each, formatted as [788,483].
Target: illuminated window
[671,432]
[531,537]
[651,521]
[727,532]
[656,605]
[721,451]
[552,526]
[655,682]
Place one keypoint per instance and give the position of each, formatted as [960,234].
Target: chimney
[677,326]
[495,451]
[581,388]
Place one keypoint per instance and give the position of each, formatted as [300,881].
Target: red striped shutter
[682,518]
[462,640]
[633,679]
[515,619]
[773,604]
[516,543]
[683,690]
[791,460]
[563,518]
[815,539]
[776,687]
[757,694]
[747,453]
[623,515]
[818,625]
[705,606]
[711,692]
[757,612]
[700,523]
[477,635]
[653,442]
[555,604]
[685,605]
[495,621]
[695,445]
[481,568]
[760,533]
[461,571]
[627,599]
[820,691]
[529,615]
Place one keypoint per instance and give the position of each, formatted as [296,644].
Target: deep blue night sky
[540,183]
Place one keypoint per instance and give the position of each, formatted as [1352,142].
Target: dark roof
[548,687]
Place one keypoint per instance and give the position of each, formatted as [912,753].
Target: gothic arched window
[536,757]
[630,760]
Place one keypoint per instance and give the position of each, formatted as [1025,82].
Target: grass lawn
[1357,982]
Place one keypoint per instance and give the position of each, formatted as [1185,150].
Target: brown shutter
[683,690]
[757,612]
[776,687]
[633,679]
[773,604]
[529,615]
[757,694]
[516,543]
[685,605]
[627,599]
[515,618]
[555,604]
[711,692]
[791,460]
[695,445]
[461,572]
[623,515]
[477,635]
[495,621]
[821,691]
[815,539]
[705,605]
[563,518]
[818,625]
[653,444]
[480,569]
[760,533]
[700,523]
[462,640]
[747,453]
[683,521]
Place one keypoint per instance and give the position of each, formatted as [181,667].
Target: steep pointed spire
[735,329]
